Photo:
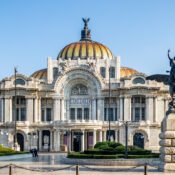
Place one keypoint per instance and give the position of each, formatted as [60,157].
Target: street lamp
[109,117]
[15,117]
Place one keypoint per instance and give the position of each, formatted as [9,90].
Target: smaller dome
[126,72]
[159,78]
[40,74]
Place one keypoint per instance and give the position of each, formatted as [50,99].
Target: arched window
[138,106]
[79,89]
[103,72]
[138,80]
[112,72]
[138,140]
[19,81]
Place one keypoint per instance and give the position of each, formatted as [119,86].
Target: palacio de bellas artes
[69,104]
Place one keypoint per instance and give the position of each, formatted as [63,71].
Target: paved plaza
[51,164]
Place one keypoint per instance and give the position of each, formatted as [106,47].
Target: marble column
[116,135]
[56,109]
[30,109]
[104,136]
[36,119]
[7,109]
[2,110]
[100,135]
[127,108]
[82,141]
[94,109]
[40,140]
[39,109]
[121,117]
[149,108]
[100,109]
[94,137]
[62,110]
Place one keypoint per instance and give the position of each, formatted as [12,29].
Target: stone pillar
[149,108]
[39,109]
[10,108]
[57,140]
[116,135]
[121,117]
[94,138]
[51,140]
[7,109]
[94,109]
[104,136]
[62,110]
[82,141]
[30,110]
[100,109]
[56,109]
[127,108]
[100,136]
[2,110]
[40,140]
[167,142]
[36,119]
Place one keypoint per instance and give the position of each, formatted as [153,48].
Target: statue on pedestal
[172,82]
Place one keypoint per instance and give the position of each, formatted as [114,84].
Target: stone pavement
[48,162]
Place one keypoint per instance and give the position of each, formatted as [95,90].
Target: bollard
[145,169]
[10,169]
[77,169]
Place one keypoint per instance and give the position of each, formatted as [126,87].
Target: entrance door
[77,141]
[138,140]
[20,141]
[46,140]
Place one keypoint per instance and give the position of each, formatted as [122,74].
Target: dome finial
[85,33]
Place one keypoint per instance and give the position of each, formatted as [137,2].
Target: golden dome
[84,49]
[126,72]
[40,74]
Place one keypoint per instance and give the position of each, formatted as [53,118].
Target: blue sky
[140,31]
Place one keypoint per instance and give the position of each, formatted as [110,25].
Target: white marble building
[67,104]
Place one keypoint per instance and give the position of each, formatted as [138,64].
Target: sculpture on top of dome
[85,33]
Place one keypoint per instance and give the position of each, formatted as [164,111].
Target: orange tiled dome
[40,74]
[126,72]
[84,49]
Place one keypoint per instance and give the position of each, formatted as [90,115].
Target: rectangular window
[137,114]
[116,117]
[110,114]
[17,114]
[105,114]
[42,115]
[79,113]
[137,99]
[72,113]
[48,114]
[112,72]
[86,113]
[23,114]
[143,113]
[103,72]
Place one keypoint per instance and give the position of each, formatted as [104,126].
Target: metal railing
[11,167]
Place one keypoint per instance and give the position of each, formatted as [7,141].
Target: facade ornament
[62,67]
[171,82]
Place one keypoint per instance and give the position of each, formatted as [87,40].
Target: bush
[100,144]
[120,149]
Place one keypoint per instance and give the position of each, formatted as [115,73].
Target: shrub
[100,144]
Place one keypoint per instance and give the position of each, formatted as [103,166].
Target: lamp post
[126,139]
[15,117]
[109,117]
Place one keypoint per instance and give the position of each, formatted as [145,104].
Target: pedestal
[167,142]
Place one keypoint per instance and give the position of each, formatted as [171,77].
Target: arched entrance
[20,141]
[138,140]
